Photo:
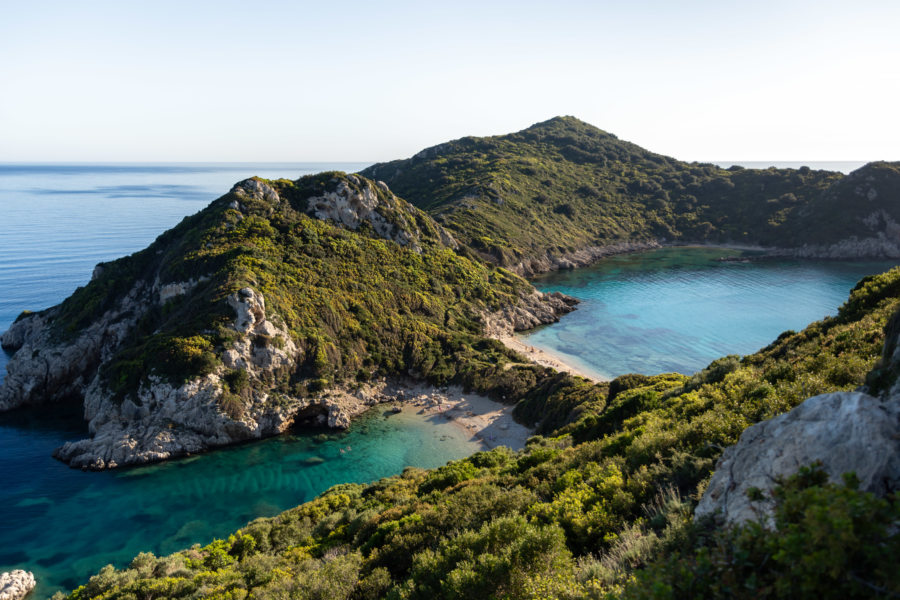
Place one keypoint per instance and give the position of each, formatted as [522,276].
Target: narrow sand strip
[547,359]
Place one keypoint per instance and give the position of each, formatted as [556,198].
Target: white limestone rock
[45,369]
[255,189]
[532,309]
[15,585]
[846,431]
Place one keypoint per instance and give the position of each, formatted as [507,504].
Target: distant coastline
[842,166]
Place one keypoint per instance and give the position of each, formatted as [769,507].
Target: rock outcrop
[16,585]
[163,421]
[46,369]
[533,309]
[844,431]
[354,202]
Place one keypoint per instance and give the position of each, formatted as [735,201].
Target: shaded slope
[562,193]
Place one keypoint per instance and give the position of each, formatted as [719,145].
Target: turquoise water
[677,309]
[65,524]
[58,222]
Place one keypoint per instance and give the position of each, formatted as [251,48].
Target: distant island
[305,301]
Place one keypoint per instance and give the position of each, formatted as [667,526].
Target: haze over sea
[60,220]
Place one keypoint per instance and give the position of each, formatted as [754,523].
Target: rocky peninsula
[196,343]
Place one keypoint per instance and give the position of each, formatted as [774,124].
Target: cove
[65,525]
[678,309]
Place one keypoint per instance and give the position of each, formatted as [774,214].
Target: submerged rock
[16,584]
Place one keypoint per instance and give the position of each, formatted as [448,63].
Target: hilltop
[563,193]
[282,302]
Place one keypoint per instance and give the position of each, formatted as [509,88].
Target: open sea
[673,309]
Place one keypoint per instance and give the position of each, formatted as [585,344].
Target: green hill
[564,192]
[279,302]
[598,508]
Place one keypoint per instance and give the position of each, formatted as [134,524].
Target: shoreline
[489,422]
[547,358]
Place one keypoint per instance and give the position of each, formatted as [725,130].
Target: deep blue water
[677,309]
[57,223]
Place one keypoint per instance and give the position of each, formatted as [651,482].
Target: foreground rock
[16,584]
[845,431]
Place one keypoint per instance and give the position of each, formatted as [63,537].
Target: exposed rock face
[264,345]
[44,369]
[354,202]
[164,421]
[533,309]
[846,431]
[579,258]
[254,188]
[16,584]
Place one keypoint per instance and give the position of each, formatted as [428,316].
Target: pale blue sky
[325,81]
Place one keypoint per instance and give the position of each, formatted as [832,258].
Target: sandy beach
[489,422]
[545,358]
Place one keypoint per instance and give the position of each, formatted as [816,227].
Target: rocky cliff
[278,304]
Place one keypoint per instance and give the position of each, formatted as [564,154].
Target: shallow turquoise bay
[677,309]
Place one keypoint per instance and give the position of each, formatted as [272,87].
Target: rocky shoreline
[878,247]
[162,421]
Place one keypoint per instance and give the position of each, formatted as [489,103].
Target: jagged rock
[533,309]
[351,204]
[846,431]
[44,369]
[166,421]
[254,188]
[16,584]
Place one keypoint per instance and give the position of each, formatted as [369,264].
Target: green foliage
[599,508]
[563,185]
[357,305]
[828,541]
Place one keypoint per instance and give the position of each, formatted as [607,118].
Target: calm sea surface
[59,221]
[675,309]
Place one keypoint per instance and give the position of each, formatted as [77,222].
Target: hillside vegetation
[356,304]
[600,506]
[563,185]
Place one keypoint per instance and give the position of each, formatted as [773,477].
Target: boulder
[845,431]
[16,584]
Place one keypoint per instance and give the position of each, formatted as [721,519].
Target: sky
[371,81]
